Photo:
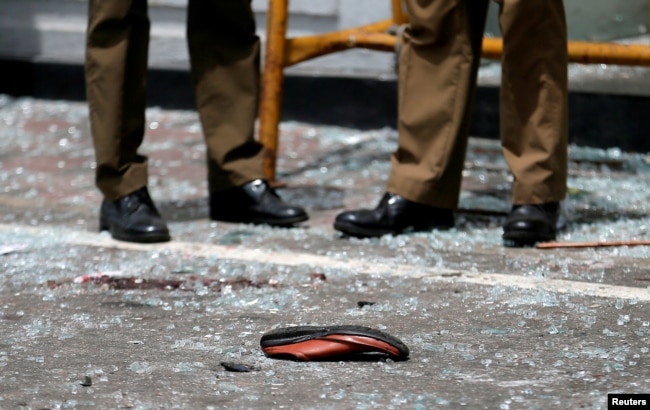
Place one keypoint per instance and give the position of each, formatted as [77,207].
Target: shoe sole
[525,239]
[307,343]
[353,230]
[359,232]
[288,222]
[140,238]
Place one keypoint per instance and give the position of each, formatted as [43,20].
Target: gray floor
[89,322]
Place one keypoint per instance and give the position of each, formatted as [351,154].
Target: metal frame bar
[283,52]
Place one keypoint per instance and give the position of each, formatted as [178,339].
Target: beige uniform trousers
[224,56]
[437,81]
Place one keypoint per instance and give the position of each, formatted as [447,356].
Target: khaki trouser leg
[437,79]
[116,65]
[224,53]
[534,107]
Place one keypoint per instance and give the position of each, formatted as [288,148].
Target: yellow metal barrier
[283,52]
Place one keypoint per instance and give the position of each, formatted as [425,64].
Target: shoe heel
[103,225]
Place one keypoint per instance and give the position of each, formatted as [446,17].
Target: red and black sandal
[307,343]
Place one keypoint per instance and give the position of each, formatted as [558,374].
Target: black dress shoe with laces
[527,224]
[133,218]
[255,202]
[394,215]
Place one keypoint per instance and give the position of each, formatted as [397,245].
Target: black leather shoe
[394,215]
[255,202]
[133,218]
[527,225]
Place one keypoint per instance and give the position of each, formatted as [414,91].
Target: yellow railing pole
[282,52]
[399,17]
[307,47]
[272,82]
[372,36]
[587,52]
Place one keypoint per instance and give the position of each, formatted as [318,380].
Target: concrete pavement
[89,322]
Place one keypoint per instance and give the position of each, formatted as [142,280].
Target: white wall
[53,31]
